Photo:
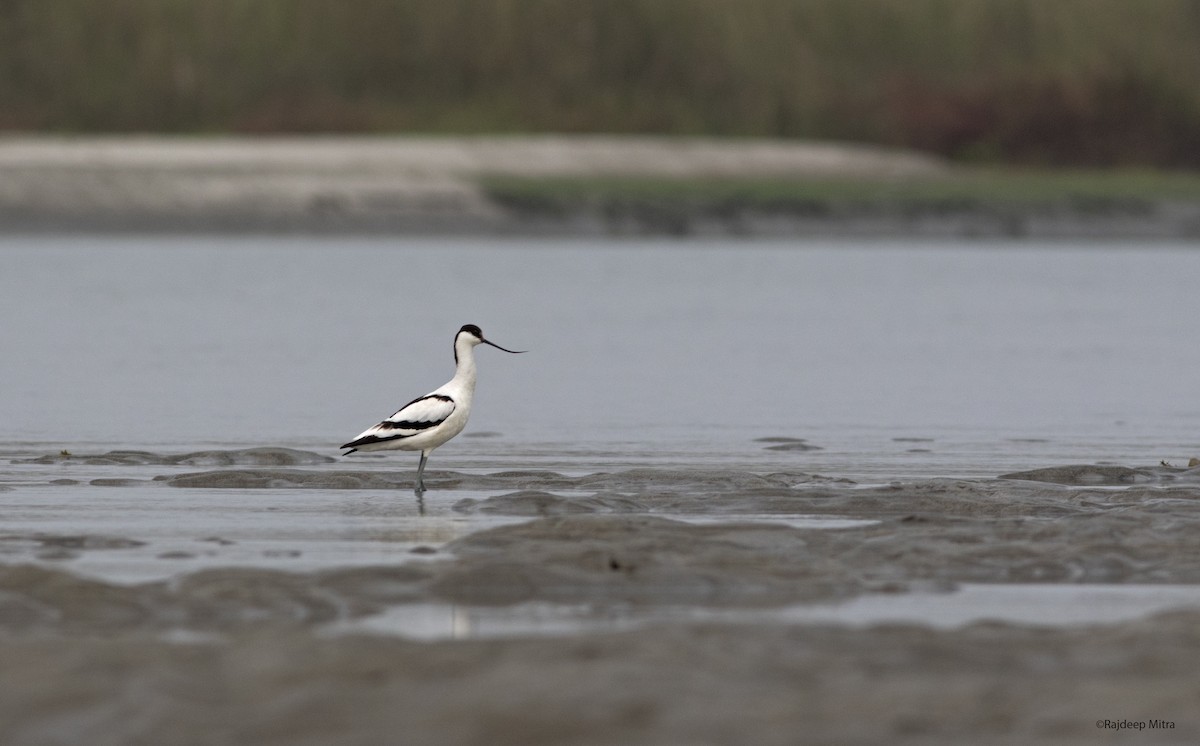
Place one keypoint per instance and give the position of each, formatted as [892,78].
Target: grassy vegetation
[993,187]
[1095,82]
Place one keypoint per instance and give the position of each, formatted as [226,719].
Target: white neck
[464,355]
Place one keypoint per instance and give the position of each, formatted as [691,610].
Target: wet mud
[697,684]
[244,653]
[249,456]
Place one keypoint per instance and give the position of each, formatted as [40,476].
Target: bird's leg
[420,474]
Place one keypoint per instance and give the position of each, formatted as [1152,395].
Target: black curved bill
[498,347]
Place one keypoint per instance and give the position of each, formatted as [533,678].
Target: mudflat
[271,595]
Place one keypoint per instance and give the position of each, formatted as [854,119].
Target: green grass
[1079,189]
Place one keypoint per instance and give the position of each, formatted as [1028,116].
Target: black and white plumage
[429,421]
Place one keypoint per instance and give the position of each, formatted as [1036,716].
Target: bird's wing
[417,416]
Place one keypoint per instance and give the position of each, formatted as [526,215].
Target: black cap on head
[478,334]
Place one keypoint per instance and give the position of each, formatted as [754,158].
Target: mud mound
[240,457]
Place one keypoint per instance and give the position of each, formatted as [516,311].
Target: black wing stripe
[439,397]
[369,439]
[409,424]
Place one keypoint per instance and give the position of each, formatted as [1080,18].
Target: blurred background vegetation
[1044,82]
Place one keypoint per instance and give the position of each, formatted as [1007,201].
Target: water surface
[894,357]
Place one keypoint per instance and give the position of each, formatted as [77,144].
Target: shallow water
[1027,603]
[640,351]
[162,533]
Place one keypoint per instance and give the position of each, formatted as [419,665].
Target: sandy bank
[427,185]
[364,183]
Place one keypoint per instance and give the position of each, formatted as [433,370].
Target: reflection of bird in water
[429,421]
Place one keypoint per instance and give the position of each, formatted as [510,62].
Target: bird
[429,421]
